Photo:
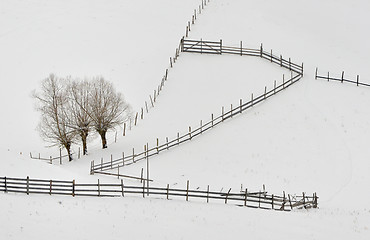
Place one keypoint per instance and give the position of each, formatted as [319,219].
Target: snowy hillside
[311,137]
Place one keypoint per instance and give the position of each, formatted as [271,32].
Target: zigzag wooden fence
[128,159]
[342,79]
[243,198]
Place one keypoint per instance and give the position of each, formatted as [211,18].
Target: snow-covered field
[312,137]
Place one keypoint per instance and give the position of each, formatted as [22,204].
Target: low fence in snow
[244,198]
[341,79]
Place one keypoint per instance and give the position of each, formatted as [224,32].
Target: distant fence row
[342,79]
[245,198]
[134,156]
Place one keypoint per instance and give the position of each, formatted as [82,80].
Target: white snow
[312,137]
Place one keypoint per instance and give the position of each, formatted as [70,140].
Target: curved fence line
[216,47]
[244,198]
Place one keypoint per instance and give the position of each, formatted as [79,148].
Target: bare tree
[107,108]
[55,126]
[79,105]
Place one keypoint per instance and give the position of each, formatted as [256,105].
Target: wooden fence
[128,159]
[59,158]
[216,47]
[341,79]
[260,199]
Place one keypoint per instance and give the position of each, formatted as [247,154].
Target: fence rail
[214,121]
[341,79]
[243,198]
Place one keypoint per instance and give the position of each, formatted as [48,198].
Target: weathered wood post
[187,190]
[73,187]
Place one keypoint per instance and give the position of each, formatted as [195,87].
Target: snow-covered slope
[312,137]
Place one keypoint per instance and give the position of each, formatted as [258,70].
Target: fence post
[168,189]
[51,184]
[28,185]
[212,119]
[157,146]
[271,55]
[274,86]
[222,113]
[227,195]
[208,194]
[5,185]
[79,154]
[302,69]
[133,155]
[195,14]
[151,100]
[123,159]
[136,118]
[342,76]
[259,199]
[272,201]
[101,164]
[290,202]
[283,81]
[92,167]
[187,190]
[290,65]
[316,74]
[178,138]
[261,50]
[220,46]
[147,167]
[252,99]
[241,103]
[142,175]
[201,126]
[123,192]
[98,188]
[60,156]
[281,60]
[241,48]
[190,132]
[245,197]
[73,188]
[358,79]
[182,44]
[51,160]
[201,44]
[144,188]
[124,127]
[111,161]
[328,76]
[265,92]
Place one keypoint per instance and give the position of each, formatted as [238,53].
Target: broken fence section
[244,198]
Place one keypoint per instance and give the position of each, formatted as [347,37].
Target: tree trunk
[84,142]
[68,148]
[103,139]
